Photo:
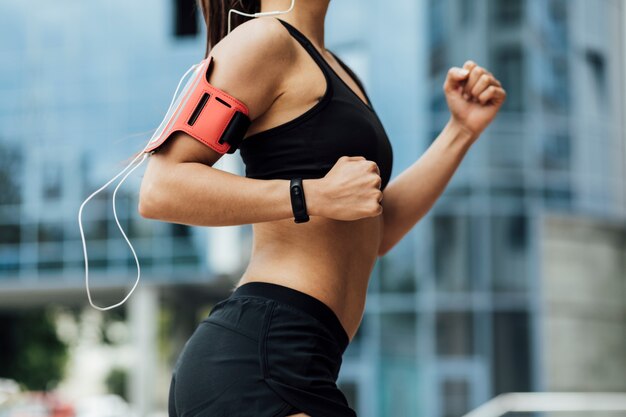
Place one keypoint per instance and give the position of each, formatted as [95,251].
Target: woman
[274,347]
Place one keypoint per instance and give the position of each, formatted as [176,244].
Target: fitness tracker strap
[298,203]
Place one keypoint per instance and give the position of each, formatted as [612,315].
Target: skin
[352,222]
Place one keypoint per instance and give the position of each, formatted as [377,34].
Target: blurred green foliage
[31,352]
[164,333]
[110,317]
[117,382]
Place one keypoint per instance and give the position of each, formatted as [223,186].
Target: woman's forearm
[474,97]
[196,194]
[412,193]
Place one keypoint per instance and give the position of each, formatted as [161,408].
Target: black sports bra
[309,145]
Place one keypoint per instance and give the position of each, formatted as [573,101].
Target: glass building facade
[452,311]
[83,86]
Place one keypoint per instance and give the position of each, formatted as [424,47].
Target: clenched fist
[474,97]
[350,190]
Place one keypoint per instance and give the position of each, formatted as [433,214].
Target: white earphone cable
[130,168]
[274,13]
[143,157]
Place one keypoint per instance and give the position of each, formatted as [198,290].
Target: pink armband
[206,113]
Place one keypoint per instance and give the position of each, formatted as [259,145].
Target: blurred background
[515,281]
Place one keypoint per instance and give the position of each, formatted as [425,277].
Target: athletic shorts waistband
[299,300]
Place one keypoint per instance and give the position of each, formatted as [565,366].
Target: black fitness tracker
[298,204]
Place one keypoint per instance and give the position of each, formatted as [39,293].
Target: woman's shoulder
[250,63]
[261,40]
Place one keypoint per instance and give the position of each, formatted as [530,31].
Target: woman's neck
[307,16]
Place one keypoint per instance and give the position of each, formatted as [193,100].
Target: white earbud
[273,13]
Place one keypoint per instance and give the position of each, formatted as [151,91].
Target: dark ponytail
[215,14]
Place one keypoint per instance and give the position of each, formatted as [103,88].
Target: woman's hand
[349,191]
[474,97]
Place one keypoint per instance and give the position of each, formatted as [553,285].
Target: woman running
[274,347]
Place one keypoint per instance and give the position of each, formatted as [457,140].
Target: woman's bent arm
[180,184]
[412,193]
[474,97]
[196,194]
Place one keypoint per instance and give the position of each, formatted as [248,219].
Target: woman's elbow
[145,210]
[153,197]
[148,206]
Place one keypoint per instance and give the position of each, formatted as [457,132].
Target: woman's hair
[215,14]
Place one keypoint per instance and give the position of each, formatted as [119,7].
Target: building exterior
[583,331]
[455,313]
[473,316]
[557,147]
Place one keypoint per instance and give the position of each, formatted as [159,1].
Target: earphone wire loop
[143,155]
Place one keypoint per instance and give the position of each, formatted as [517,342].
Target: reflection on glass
[508,66]
[10,169]
[455,397]
[397,334]
[558,11]
[467,11]
[50,256]
[511,348]
[455,332]
[452,244]
[557,152]
[52,180]
[596,63]
[397,272]
[554,89]
[398,368]
[50,232]
[509,255]
[508,12]
[184,251]
[10,234]
[398,386]
[438,34]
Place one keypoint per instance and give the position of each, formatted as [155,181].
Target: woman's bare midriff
[329,259]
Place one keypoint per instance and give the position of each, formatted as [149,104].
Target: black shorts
[265,351]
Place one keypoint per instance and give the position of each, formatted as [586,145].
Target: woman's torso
[319,118]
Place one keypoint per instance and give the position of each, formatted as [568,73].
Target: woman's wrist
[460,133]
[313,196]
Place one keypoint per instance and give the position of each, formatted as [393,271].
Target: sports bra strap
[328,71]
[352,74]
[306,43]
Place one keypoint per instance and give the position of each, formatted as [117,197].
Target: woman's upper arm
[249,65]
